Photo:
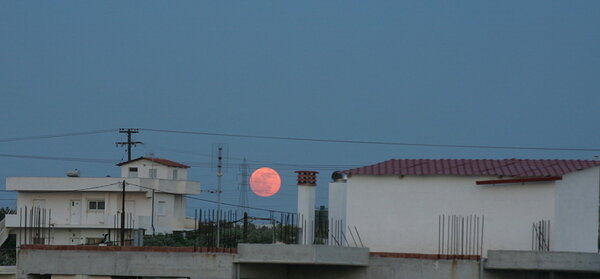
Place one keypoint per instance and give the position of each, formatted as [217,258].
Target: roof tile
[161,161]
[475,167]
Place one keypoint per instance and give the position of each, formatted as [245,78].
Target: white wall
[306,213]
[337,210]
[140,204]
[174,210]
[73,236]
[144,166]
[59,202]
[576,208]
[394,214]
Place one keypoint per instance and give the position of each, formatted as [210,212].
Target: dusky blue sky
[510,73]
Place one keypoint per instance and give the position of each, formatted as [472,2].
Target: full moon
[265,182]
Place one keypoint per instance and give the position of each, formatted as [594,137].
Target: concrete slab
[8,269]
[104,262]
[543,261]
[302,254]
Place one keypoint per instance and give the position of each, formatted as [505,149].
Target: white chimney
[307,182]
[337,209]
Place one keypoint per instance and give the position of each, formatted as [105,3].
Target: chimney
[337,208]
[307,181]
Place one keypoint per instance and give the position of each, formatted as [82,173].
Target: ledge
[8,270]
[543,261]
[127,248]
[302,254]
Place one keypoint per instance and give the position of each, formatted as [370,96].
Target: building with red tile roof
[161,161]
[433,205]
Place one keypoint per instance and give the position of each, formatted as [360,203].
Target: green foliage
[231,235]
[8,251]
[174,239]
[260,235]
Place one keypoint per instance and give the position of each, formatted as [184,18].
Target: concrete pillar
[337,209]
[307,181]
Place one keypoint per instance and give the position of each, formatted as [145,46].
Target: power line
[371,142]
[193,164]
[95,187]
[92,132]
[71,159]
[237,205]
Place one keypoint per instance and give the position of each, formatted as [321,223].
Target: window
[161,208]
[133,172]
[152,173]
[96,205]
[174,174]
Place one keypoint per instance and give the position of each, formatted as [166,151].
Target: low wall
[185,262]
[93,262]
[124,261]
[381,265]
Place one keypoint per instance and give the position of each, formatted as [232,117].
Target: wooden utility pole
[123,216]
[129,143]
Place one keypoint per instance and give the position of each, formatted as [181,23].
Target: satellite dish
[337,175]
[73,173]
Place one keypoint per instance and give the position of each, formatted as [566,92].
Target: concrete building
[273,261]
[435,206]
[83,210]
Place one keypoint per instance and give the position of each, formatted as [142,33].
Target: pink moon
[265,182]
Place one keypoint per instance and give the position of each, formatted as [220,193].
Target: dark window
[96,205]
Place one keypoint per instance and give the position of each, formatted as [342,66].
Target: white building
[399,205]
[82,210]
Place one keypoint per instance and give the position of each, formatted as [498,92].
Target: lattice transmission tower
[243,202]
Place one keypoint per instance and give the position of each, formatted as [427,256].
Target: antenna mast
[219,177]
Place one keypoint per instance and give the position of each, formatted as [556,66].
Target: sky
[493,73]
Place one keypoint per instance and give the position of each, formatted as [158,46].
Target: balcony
[13,221]
[112,184]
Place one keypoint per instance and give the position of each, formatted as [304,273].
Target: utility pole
[123,216]
[129,143]
[219,177]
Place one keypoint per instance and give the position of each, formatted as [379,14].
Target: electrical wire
[95,187]
[223,203]
[237,205]
[148,188]
[83,133]
[370,142]
[252,162]
[284,166]
[70,159]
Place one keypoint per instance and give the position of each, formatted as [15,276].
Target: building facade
[467,207]
[82,210]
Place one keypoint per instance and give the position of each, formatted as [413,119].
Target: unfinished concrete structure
[291,262]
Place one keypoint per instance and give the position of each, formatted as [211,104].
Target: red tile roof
[161,161]
[469,167]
